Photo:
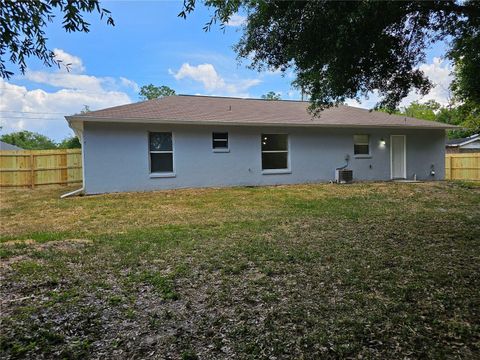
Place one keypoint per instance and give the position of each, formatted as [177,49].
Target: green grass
[310,271]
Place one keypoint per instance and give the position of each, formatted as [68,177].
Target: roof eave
[74,118]
[466,142]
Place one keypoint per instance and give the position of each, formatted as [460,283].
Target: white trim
[276,171]
[404,156]
[162,175]
[165,174]
[221,150]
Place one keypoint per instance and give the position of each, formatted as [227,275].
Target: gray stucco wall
[116,156]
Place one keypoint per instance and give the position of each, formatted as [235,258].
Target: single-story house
[205,141]
[7,146]
[464,145]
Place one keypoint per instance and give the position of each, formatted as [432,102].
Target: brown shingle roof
[190,109]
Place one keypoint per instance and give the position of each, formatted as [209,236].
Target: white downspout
[72,193]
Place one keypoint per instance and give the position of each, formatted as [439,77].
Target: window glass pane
[360,149]
[274,160]
[274,142]
[220,144]
[161,162]
[360,139]
[161,141]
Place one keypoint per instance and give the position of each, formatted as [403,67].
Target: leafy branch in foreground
[23,23]
[342,50]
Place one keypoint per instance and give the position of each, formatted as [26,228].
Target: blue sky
[149,44]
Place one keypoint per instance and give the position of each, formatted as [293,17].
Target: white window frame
[275,171]
[166,174]
[369,155]
[221,150]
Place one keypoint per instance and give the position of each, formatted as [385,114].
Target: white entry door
[398,161]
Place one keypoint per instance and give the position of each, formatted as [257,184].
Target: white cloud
[439,72]
[66,80]
[204,73]
[75,64]
[236,20]
[129,83]
[80,81]
[76,79]
[43,111]
[366,102]
[294,94]
[291,74]
[212,81]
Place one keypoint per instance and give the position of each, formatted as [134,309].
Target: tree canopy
[69,143]
[271,95]
[150,91]
[460,115]
[29,140]
[23,23]
[34,141]
[344,49]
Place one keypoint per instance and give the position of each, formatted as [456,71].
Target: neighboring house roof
[6,146]
[189,109]
[463,141]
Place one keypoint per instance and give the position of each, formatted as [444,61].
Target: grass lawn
[379,270]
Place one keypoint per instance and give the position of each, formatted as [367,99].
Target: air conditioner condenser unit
[343,176]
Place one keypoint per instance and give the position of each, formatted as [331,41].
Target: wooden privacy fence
[20,168]
[462,166]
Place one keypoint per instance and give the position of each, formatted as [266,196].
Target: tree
[71,142]
[85,110]
[460,115]
[343,50]
[23,23]
[150,91]
[29,140]
[465,54]
[426,111]
[271,95]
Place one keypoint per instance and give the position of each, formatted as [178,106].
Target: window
[274,151]
[361,145]
[220,141]
[161,152]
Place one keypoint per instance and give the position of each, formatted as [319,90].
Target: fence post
[451,168]
[32,170]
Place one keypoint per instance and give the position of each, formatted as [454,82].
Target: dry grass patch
[378,270]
